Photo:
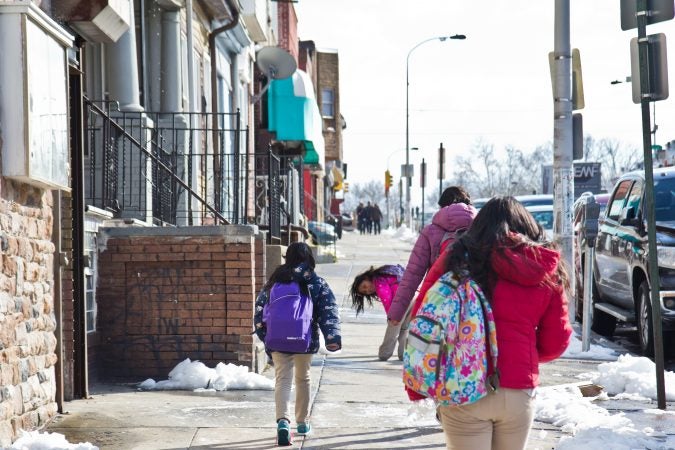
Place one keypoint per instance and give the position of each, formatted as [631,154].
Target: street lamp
[407,118]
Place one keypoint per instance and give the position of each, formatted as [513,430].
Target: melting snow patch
[195,375]
[34,440]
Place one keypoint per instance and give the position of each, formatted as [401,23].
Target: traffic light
[388,181]
[345,187]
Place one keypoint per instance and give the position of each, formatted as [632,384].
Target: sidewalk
[358,401]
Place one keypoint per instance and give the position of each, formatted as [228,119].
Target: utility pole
[563,171]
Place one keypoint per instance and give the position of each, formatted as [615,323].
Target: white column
[171,63]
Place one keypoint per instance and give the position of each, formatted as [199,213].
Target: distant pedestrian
[380,284]
[427,248]
[506,252]
[296,275]
[376,217]
[361,218]
[368,216]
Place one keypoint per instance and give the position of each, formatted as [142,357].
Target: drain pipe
[214,95]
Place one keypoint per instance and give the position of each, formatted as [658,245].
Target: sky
[588,423]
[494,87]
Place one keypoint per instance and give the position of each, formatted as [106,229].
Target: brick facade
[27,339]
[327,64]
[166,294]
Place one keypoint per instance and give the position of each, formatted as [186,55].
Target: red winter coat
[451,218]
[530,316]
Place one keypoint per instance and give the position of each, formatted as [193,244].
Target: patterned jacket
[326,313]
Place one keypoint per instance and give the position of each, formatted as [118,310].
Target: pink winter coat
[452,218]
[385,288]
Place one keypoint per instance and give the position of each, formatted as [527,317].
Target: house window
[90,272]
[89,292]
[327,103]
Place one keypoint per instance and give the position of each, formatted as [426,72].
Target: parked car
[322,233]
[580,245]
[535,199]
[526,200]
[543,214]
[621,286]
[347,222]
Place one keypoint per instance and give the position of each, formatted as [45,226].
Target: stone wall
[167,294]
[27,322]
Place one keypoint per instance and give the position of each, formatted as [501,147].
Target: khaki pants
[393,334]
[284,363]
[500,421]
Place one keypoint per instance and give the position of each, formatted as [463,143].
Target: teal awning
[293,115]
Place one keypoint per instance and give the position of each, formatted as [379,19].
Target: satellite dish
[276,63]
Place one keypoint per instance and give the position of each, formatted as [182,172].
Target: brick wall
[166,294]
[329,77]
[27,323]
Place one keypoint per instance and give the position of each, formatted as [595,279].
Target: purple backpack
[288,319]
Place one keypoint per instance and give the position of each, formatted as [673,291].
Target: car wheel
[644,320]
[314,240]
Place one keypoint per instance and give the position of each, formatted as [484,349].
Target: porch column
[171,62]
[122,65]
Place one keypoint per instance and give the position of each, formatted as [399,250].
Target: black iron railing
[167,168]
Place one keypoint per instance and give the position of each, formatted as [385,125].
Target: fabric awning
[293,115]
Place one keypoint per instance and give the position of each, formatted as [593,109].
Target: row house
[150,174]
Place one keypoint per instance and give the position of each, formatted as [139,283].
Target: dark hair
[452,195]
[297,253]
[358,298]
[489,232]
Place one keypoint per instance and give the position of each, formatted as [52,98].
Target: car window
[619,199]
[537,202]
[635,197]
[545,219]
[664,188]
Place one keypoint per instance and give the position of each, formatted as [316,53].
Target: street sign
[577,79]
[409,173]
[587,178]
[658,68]
[659,11]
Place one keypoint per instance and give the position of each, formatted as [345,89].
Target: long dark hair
[358,298]
[490,231]
[297,253]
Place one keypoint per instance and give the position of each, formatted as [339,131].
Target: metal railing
[167,168]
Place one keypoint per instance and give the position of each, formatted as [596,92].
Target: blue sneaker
[304,429]
[284,436]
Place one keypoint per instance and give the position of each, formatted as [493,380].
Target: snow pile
[34,440]
[594,352]
[402,233]
[592,427]
[195,375]
[633,375]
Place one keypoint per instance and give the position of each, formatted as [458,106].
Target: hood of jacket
[454,217]
[303,274]
[525,263]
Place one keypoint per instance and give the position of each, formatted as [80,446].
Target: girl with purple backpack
[380,284]
[295,284]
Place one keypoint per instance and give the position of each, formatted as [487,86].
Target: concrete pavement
[358,401]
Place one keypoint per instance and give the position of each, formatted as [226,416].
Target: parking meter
[589,232]
[589,226]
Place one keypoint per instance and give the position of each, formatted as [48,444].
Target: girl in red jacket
[525,281]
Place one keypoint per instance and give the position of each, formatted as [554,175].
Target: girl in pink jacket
[380,284]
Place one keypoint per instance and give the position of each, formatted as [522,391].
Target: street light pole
[407,119]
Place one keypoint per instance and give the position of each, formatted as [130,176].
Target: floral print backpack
[449,343]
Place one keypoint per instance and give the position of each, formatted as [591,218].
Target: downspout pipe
[214,92]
